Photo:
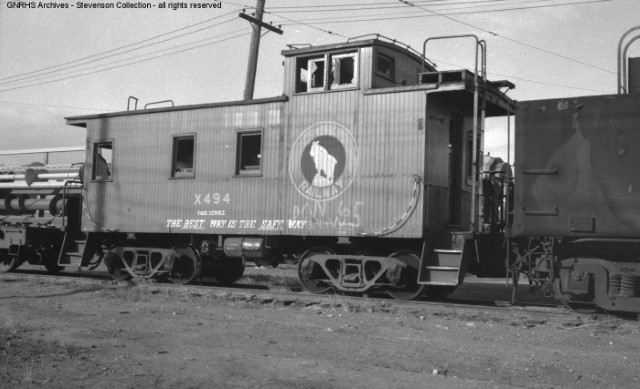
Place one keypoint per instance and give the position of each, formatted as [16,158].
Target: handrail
[160,102]
[478,44]
[294,46]
[64,197]
[135,105]
[395,42]
[44,151]
[622,57]
[481,46]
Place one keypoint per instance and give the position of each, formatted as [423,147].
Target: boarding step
[453,240]
[73,250]
[80,245]
[445,258]
[73,259]
[441,268]
[445,266]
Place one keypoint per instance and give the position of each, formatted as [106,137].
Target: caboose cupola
[361,64]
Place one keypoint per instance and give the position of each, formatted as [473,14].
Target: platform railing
[623,77]
[478,125]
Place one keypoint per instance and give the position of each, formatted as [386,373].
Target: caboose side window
[385,66]
[343,71]
[101,169]
[315,73]
[183,156]
[329,72]
[249,153]
[301,76]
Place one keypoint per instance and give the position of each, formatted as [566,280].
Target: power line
[295,21]
[132,58]
[51,105]
[405,15]
[104,53]
[511,39]
[359,4]
[45,75]
[549,83]
[119,66]
[307,22]
[388,5]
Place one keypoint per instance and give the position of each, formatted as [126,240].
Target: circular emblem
[323,161]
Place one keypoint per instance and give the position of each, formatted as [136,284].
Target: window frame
[392,66]
[253,172]
[175,139]
[96,145]
[303,85]
[354,84]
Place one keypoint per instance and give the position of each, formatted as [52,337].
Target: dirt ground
[100,335]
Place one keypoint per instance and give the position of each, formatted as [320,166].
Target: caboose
[366,170]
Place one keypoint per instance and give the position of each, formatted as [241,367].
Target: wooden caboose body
[363,154]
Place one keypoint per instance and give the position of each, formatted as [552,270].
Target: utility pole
[256,24]
[252,66]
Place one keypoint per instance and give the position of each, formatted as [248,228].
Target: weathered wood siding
[388,149]
[142,197]
[362,161]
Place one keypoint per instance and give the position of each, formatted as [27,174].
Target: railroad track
[525,313]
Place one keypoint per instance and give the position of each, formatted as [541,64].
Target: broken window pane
[316,73]
[102,161]
[183,152]
[249,153]
[343,70]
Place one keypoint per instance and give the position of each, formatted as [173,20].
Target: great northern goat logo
[323,161]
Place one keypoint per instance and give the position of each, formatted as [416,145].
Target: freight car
[39,204]
[369,172]
[348,172]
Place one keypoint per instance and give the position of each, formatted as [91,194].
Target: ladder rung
[451,268]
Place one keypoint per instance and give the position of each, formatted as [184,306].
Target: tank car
[365,171]
[40,208]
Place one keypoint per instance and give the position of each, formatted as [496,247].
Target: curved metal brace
[417,181]
[622,56]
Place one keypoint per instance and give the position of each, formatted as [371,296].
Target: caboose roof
[80,121]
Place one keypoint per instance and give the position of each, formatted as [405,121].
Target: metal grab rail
[481,46]
[622,60]
[135,103]
[159,102]
[395,42]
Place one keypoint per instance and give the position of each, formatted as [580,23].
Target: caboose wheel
[115,266]
[309,271]
[7,262]
[186,265]
[411,288]
[231,271]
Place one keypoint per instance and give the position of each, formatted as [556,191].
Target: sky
[58,62]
